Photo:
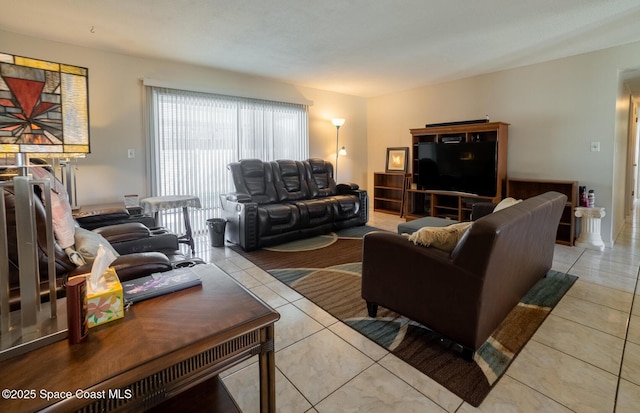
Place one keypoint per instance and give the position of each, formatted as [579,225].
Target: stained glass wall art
[44,106]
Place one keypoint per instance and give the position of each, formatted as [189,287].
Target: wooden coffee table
[161,348]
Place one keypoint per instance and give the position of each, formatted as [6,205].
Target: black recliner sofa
[285,200]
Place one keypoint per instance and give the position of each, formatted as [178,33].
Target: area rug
[327,270]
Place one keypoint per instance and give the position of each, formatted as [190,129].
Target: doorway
[631,80]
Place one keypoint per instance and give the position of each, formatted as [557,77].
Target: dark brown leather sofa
[464,295]
[284,200]
[142,253]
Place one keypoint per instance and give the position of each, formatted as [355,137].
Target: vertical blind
[194,136]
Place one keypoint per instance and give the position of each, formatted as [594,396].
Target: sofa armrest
[133,266]
[415,264]
[242,222]
[420,282]
[364,205]
[240,197]
[347,187]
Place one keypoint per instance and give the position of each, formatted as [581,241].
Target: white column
[590,229]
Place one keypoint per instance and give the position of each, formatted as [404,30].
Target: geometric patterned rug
[327,270]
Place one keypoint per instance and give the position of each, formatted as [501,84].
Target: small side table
[590,229]
[158,203]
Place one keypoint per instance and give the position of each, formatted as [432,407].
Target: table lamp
[44,112]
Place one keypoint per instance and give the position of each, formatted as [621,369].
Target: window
[194,136]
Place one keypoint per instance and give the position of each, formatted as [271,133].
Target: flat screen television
[469,167]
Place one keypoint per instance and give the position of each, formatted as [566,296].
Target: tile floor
[584,358]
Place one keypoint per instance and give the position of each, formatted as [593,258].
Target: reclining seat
[127,267]
[350,205]
[257,199]
[316,215]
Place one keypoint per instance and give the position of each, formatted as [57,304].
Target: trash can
[216,231]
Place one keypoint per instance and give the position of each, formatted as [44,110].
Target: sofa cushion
[442,238]
[254,177]
[320,178]
[289,180]
[345,206]
[314,212]
[277,219]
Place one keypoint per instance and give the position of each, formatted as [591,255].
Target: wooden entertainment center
[450,204]
[419,202]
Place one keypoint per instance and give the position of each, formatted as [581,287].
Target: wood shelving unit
[388,191]
[527,188]
[476,132]
[451,204]
[442,204]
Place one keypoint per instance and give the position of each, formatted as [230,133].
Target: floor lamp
[45,110]
[337,122]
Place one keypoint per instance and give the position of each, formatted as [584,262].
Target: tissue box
[108,305]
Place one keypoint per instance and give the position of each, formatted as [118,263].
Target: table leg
[188,237]
[267,363]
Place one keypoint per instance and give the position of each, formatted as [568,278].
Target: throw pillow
[87,243]
[442,238]
[506,203]
[63,222]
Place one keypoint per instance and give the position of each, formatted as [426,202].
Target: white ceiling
[359,47]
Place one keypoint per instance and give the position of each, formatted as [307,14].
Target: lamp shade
[342,151]
[337,122]
[44,107]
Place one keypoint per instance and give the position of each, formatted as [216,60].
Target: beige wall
[116,113]
[556,109]
[353,134]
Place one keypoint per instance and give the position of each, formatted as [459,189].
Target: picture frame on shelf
[397,160]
